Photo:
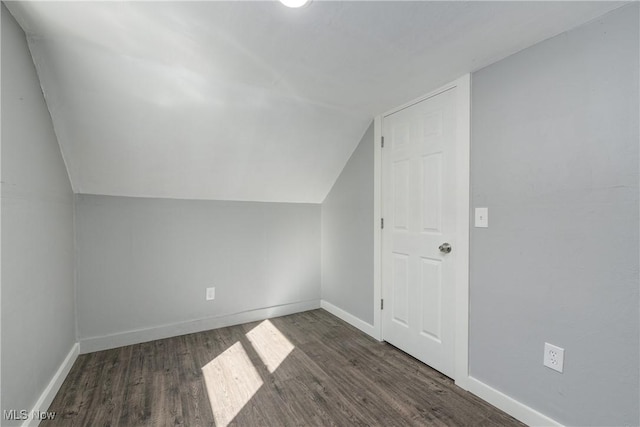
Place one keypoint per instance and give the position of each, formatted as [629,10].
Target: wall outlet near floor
[211,293]
[553,357]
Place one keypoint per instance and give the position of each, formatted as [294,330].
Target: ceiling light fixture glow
[294,3]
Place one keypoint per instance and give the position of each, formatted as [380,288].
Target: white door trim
[463,144]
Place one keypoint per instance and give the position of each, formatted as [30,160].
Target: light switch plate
[482,217]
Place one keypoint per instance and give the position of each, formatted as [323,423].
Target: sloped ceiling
[252,100]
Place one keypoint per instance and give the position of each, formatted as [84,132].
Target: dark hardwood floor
[305,369]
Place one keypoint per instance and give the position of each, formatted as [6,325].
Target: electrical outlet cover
[553,357]
[211,294]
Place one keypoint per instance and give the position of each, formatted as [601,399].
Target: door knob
[445,248]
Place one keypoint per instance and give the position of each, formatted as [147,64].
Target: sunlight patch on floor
[231,381]
[270,344]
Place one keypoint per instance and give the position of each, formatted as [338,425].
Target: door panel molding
[462,154]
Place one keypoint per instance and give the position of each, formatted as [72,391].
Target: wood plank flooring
[307,369]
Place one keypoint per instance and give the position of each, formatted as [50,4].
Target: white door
[419,211]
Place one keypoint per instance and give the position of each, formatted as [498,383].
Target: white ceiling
[252,100]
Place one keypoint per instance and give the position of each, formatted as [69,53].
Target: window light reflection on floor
[232,380]
[270,344]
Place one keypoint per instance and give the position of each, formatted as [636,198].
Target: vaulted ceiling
[252,100]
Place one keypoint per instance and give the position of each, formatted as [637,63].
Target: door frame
[463,146]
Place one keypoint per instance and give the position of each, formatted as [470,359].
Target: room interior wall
[38,313]
[144,265]
[347,238]
[555,159]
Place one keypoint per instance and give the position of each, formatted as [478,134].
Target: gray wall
[38,323]
[555,158]
[145,263]
[347,235]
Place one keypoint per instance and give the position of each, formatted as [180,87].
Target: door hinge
[382,142]
[381,304]
[381,222]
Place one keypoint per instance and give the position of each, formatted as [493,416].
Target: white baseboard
[365,327]
[89,345]
[498,399]
[49,393]
[133,337]
[516,409]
